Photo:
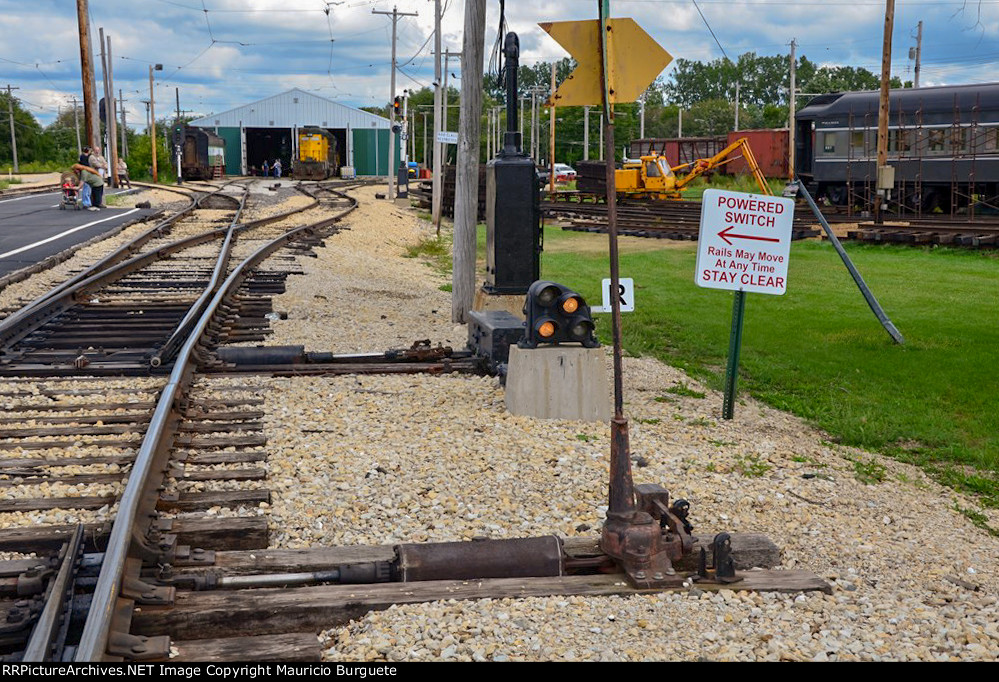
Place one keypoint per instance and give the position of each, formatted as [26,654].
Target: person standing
[97,162]
[123,173]
[265,169]
[84,160]
[277,168]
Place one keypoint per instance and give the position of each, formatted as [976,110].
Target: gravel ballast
[382,459]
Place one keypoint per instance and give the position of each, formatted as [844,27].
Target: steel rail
[25,321]
[106,262]
[173,343]
[155,447]
[53,615]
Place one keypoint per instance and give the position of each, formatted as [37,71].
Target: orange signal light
[570,305]
[546,329]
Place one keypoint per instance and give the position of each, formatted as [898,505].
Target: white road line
[30,196]
[63,234]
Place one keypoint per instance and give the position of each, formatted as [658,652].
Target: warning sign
[745,240]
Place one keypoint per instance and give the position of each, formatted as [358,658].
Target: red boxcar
[769,147]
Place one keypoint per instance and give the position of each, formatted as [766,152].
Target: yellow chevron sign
[634,60]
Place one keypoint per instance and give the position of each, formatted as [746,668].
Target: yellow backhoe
[653,178]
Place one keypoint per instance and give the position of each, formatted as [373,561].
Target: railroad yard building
[268,129]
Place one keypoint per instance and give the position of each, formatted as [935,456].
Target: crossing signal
[397,106]
[178,133]
[556,314]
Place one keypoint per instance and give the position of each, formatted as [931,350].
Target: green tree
[31,144]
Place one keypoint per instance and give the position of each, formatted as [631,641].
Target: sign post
[743,246]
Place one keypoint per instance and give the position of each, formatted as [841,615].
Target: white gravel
[380,459]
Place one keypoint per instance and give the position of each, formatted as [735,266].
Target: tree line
[702,93]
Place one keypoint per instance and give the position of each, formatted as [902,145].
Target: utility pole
[919,50]
[425,157]
[112,117]
[679,122]
[76,124]
[91,120]
[790,113]
[551,145]
[152,120]
[737,105]
[884,183]
[586,132]
[102,146]
[602,137]
[641,119]
[438,182]
[395,14]
[13,134]
[176,147]
[466,201]
[123,149]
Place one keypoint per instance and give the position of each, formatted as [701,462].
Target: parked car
[564,172]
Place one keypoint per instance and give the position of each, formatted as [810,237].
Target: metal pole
[586,133]
[734,345]
[621,504]
[737,105]
[790,113]
[123,146]
[112,117]
[641,119]
[103,147]
[176,147]
[872,302]
[152,123]
[13,134]
[551,132]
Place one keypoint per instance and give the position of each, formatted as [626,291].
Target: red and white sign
[744,242]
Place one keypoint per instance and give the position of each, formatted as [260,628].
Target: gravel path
[380,459]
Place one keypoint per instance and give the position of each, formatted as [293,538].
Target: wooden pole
[13,132]
[466,201]
[76,124]
[91,120]
[883,110]
[919,52]
[586,133]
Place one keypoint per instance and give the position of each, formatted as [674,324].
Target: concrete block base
[558,382]
[511,303]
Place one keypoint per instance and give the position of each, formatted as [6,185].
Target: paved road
[33,228]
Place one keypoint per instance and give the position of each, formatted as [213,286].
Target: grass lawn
[819,352]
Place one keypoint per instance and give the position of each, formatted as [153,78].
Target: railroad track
[680,220]
[132,447]
[673,220]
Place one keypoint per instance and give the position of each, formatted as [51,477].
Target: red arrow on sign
[726,233]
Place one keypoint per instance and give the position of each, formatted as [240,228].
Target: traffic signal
[397,106]
[178,133]
[556,314]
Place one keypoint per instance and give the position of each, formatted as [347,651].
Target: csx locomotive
[942,142]
[318,156]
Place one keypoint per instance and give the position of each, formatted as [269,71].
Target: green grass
[819,352]
[738,183]
[7,182]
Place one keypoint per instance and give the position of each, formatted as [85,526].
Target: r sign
[744,242]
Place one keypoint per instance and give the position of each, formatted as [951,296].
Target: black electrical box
[513,200]
[491,333]
[513,224]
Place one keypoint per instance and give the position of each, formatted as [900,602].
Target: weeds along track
[116,453]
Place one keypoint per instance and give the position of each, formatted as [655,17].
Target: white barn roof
[290,109]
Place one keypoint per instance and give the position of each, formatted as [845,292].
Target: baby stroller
[70,194]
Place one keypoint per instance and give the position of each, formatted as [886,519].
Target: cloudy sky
[224,53]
